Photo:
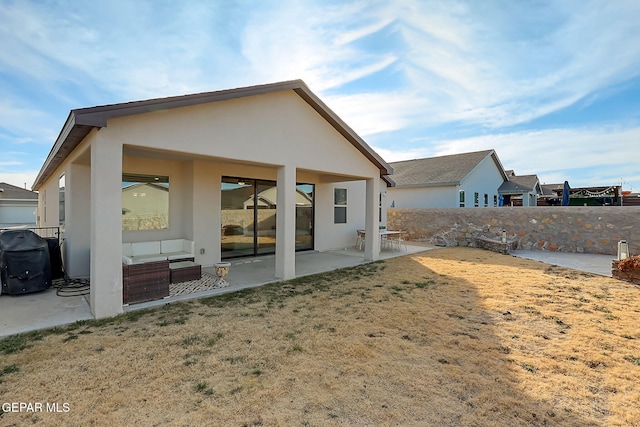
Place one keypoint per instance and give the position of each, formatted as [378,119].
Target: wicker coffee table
[184,271]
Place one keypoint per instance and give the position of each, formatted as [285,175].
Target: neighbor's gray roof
[511,187]
[529,181]
[552,189]
[81,121]
[442,170]
[519,184]
[11,192]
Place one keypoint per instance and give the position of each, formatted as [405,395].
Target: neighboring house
[457,180]
[18,206]
[213,151]
[551,194]
[587,196]
[145,205]
[522,190]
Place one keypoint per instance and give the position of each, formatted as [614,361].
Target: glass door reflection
[266,216]
[249,217]
[304,216]
[237,234]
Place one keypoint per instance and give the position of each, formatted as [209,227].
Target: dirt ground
[449,337]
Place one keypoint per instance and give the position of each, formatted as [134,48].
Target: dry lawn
[454,336]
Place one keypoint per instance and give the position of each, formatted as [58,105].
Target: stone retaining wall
[589,229]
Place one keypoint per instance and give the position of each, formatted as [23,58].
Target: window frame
[340,205]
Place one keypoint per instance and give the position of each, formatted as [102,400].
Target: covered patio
[264,170]
[42,310]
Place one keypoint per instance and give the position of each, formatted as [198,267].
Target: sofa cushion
[148,258]
[171,256]
[174,245]
[145,248]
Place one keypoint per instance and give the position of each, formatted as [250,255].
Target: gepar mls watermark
[47,407]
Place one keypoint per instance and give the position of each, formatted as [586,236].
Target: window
[476,199]
[495,200]
[145,202]
[61,200]
[380,209]
[340,206]
[486,200]
[462,198]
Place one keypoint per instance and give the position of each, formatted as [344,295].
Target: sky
[553,86]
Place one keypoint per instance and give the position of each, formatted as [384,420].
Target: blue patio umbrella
[565,194]
[501,200]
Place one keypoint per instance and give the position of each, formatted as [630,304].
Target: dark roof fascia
[498,163]
[431,184]
[82,120]
[321,108]
[390,182]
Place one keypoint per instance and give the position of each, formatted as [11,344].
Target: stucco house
[520,190]
[209,153]
[17,206]
[457,180]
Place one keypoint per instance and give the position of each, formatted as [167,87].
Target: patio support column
[286,223]
[372,227]
[106,226]
[77,234]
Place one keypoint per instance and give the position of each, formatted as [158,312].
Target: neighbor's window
[476,199]
[495,200]
[486,200]
[61,200]
[462,198]
[340,206]
[145,202]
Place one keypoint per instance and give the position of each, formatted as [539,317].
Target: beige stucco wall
[248,128]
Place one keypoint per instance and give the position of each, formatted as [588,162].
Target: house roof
[442,170]
[552,189]
[520,184]
[81,121]
[11,192]
[511,187]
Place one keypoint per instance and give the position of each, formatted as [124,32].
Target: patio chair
[397,242]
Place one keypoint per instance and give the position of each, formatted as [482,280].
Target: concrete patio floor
[590,263]
[42,310]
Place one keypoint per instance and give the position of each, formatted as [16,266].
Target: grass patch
[633,359]
[355,347]
[202,387]
[14,344]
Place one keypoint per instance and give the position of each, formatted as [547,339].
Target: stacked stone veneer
[589,229]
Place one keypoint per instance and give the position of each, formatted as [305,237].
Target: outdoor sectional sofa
[171,250]
[145,267]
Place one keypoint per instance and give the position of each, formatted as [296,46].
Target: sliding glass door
[304,217]
[266,217]
[249,217]
[237,221]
